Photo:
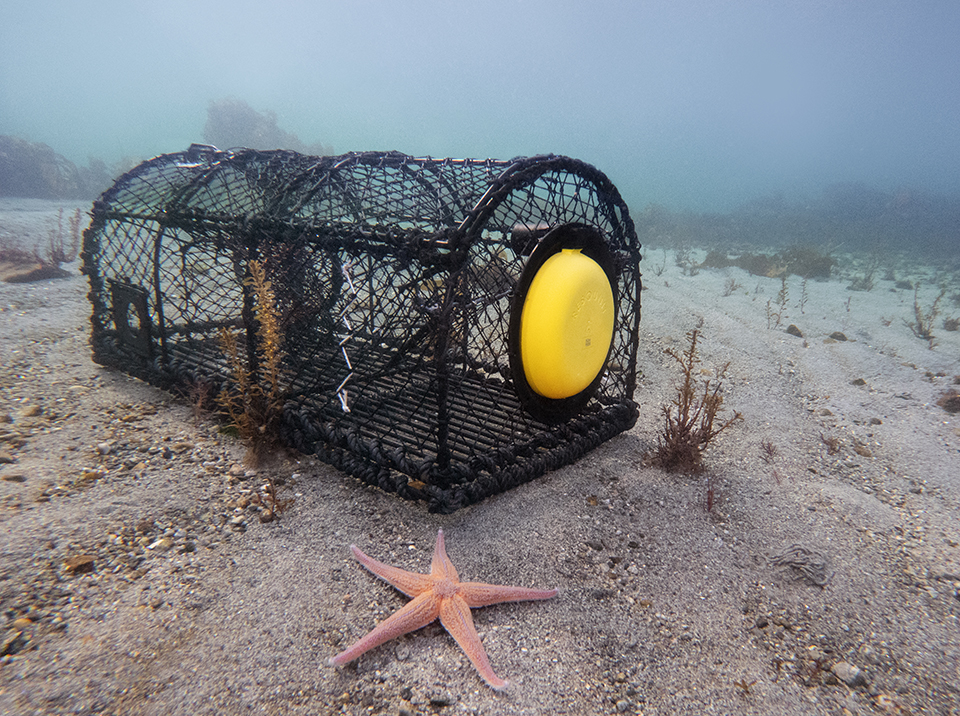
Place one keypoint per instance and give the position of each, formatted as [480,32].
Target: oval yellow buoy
[566,325]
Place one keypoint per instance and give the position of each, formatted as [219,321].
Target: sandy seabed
[136,579]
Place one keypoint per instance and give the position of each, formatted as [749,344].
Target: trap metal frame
[399,284]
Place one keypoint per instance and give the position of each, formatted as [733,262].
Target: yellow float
[566,325]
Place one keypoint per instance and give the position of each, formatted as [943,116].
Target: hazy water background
[693,106]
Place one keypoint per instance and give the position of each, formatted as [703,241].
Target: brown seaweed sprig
[690,420]
[254,404]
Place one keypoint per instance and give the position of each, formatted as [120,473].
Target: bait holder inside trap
[452,328]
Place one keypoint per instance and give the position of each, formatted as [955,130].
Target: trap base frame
[396,283]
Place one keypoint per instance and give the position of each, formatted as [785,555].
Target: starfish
[438,594]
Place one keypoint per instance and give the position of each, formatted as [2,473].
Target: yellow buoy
[566,325]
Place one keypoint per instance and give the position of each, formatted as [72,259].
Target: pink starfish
[438,594]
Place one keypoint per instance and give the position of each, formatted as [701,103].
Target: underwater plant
[254,405]
[690,419]
[36,265]
[731,286]
[922,325]
[777,316]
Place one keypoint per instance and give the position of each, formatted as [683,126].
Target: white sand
[664,608]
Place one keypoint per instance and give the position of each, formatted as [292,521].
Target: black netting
[395,279]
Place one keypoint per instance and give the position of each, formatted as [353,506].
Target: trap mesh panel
[395,281]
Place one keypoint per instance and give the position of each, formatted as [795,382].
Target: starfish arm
[478,594]
[410,583]
[456,619]
[441,566]
[415,614]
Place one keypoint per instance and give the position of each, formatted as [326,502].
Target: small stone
[14,477]
[145,525]
[838,336]
[90,475]
[858,382]
[21,622]
[441,697]
[849,674]
[12,643]
[105,448]
[6,458]
[80,564]
[162,544]
[794,331]
[622,706]
[887,704]
[33,411]
[869,654]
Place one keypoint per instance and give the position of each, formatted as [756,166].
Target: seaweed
[254,405]
[922,325]
[781,304]
[690,419]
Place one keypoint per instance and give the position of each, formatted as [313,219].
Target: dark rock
[794,331]
[838,336]
[950,402]
[35,170]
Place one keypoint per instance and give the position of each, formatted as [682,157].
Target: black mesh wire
[394,277]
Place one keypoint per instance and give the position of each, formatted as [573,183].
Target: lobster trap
[450,328]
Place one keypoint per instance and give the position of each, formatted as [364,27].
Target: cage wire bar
[395,281]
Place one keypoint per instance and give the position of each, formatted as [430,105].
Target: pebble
[441,697]
[162,544]
[849,674]
[12,643]
[80,564]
